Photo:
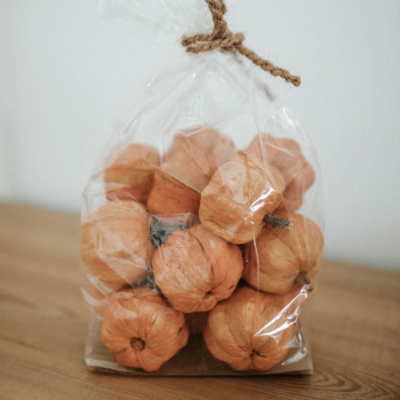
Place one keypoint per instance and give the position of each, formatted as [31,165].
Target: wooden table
[355,336]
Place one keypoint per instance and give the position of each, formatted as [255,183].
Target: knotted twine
[222,37]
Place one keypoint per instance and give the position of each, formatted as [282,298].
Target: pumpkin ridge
[283,314]
[150,348]
[265,173]
[212,222]
[218,340]
[191,257]
[304,243]
[287,245]
[227,270]
[147,331]
[247,167]
[208,260]
[120,351]
[250,163]
[228,244]
[263,272]
[122,338]
[282,340]
[176,182]
[268,342]
[173,284]
[182,336]
[195,163]
[276,345]
[230,331]
[306,224]
[256,316]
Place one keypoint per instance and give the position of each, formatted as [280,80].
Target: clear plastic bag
[182,266]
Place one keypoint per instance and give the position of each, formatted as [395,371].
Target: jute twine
[222,37]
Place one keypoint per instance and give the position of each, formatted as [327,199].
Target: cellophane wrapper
[172,291]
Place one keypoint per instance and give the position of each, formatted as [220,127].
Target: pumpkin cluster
[204,240]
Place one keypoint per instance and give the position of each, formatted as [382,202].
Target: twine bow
[222,37]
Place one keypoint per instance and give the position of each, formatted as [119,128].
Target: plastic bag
[201,234]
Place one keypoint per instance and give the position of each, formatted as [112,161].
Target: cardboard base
[194,359]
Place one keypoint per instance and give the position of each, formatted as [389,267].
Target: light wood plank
[355,328]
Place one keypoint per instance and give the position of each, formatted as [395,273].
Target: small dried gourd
[287,157]
[210,141]
[250,331]
[280,259]
[241,193]
[115,243]
[131,175]
[142,329]
[170,196]
[195,269]
[184,173]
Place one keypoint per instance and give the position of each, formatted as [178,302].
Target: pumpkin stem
[159,233]
[137,344]
[158,238]
[278,222]
[302,281]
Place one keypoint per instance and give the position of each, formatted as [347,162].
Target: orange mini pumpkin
[170,196]
[185,172]
[115,243]
[240,194]
[250,331]
[282,258]
[195,269]
[142,329]
[287,157]
[210,141]
[131,175]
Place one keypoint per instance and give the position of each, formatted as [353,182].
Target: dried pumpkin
[142,329]
[287,157]
[251,330]
[184,173]
[280,259]
[210,141]
[115,243]
[170,196]
[195,269]
[131,175]
[202,138]
[241,193]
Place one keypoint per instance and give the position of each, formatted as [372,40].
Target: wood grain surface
[355,330]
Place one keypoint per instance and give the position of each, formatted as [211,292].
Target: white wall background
[65,74]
